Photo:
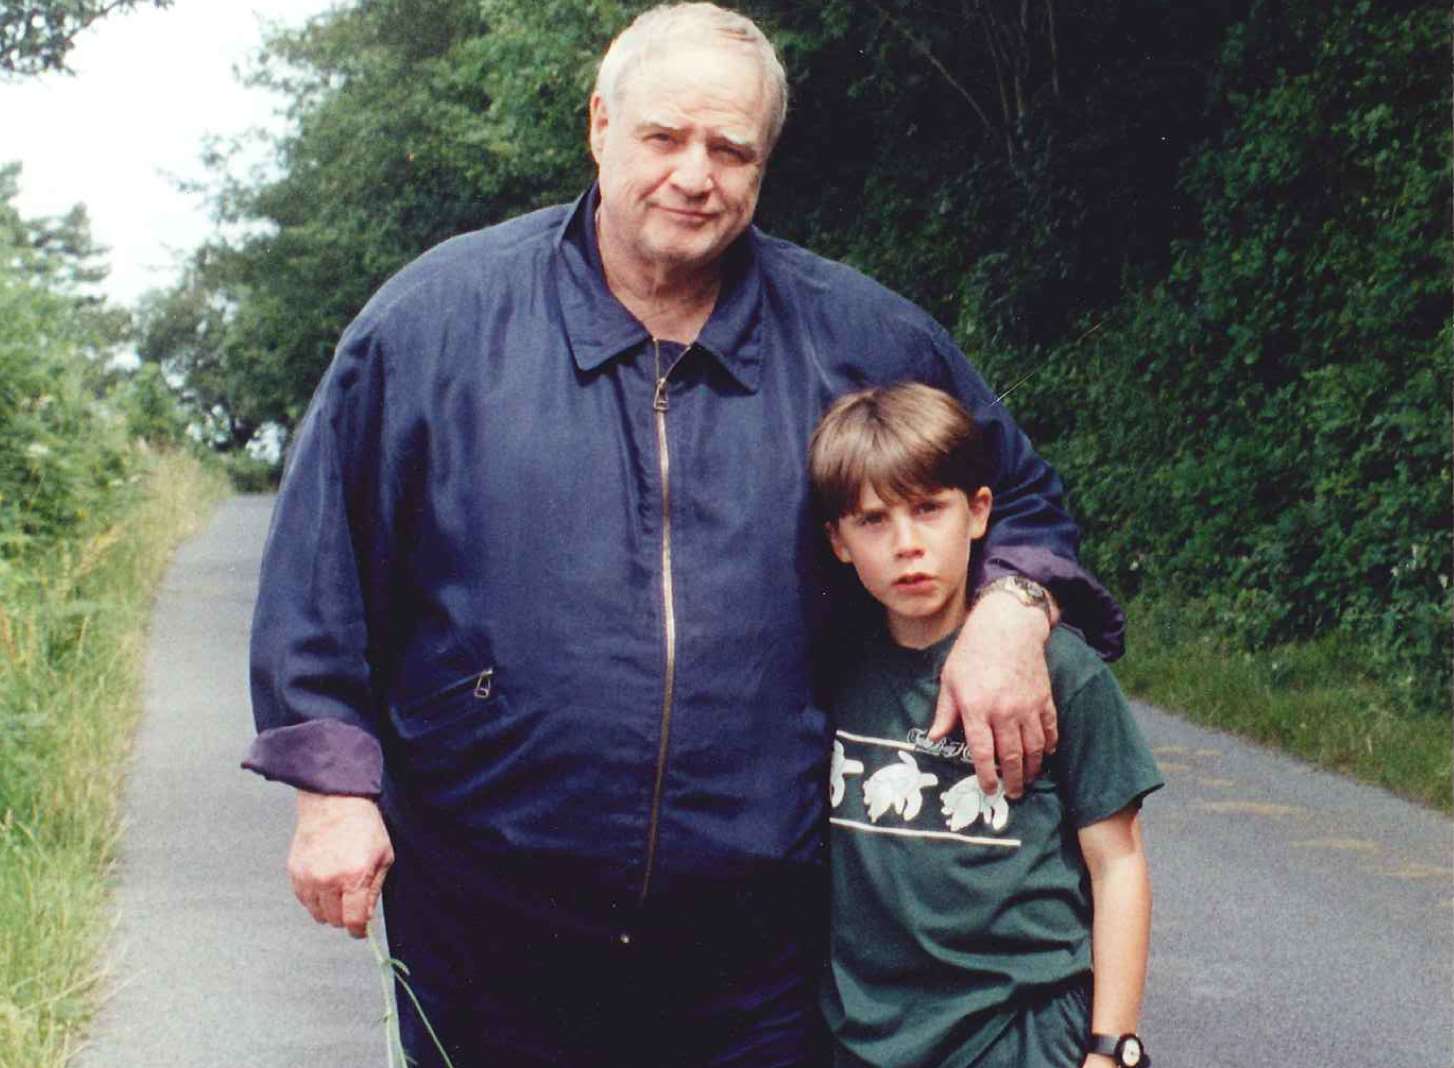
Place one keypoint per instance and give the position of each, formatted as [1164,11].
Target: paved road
[213,964]
[1301,921]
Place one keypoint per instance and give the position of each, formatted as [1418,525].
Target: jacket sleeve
[1031,532]
[313,687]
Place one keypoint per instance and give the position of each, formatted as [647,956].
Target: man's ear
[840,549]
[596,127]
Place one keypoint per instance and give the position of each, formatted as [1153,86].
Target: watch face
[1130,1053]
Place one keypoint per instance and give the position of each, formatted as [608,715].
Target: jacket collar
[600,328]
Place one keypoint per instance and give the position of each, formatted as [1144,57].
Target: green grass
[1318,700]
[72,641]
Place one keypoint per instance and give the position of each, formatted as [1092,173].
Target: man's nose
[693,173]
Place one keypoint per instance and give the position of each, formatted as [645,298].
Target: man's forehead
[718,88]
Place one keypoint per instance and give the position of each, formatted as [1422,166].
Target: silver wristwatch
[1028,592]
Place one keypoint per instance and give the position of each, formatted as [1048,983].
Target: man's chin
[686,255]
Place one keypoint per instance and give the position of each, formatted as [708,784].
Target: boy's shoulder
[1103,762]
[1073,665]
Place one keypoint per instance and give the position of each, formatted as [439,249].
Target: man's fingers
[982,752]
[946,715]
[338,859]
[358,905]
[357,908]
[1050,725]
[1032,745]
[1012,769]
[306,893]
[308,903]
[330,903]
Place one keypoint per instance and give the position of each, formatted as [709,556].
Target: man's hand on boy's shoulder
[995,682]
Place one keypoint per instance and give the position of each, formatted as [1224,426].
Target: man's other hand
[340,855]
[995,682]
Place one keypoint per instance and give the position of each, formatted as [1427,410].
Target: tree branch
[925,51]
[1054,48]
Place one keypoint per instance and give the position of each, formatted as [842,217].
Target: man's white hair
[696,23]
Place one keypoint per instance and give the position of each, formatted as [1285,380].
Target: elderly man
[542,593]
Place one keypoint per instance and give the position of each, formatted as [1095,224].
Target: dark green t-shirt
[951,909]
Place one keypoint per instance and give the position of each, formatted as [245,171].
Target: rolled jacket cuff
[1085,605]
[325,756]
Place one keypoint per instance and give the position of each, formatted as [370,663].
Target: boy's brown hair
[903,440]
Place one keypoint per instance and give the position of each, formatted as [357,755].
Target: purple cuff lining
[326,756]
[1085,605]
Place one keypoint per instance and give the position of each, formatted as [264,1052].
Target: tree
[1267,428]
[1004,164]
[60,449]
[410,125]
[37,35]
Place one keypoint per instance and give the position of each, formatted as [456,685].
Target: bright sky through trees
[148,87]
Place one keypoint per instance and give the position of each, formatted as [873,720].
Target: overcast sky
[148,87]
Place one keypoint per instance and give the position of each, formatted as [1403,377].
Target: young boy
[966,927]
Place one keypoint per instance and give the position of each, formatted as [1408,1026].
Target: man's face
[681,155]
[912,555]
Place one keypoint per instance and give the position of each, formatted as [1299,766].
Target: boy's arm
[1121,927]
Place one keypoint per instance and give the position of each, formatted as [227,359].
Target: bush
[1268,429]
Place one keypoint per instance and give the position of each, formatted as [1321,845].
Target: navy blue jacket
[560,619]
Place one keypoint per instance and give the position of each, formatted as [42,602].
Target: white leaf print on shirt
[841,766]
[965,802]
[896,787]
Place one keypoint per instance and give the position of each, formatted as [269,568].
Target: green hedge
[1269,428]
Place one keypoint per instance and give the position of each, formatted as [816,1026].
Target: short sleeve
[1104,762]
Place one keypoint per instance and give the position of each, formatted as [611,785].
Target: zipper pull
[658,402]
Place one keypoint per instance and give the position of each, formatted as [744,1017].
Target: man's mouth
[687,213]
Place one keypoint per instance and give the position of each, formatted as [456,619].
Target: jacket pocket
[454,701]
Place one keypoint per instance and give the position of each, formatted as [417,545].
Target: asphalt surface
[1300,920]
[213,964]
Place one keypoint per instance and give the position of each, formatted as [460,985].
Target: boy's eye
[928,507]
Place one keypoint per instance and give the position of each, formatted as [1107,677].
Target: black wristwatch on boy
[1128,1051]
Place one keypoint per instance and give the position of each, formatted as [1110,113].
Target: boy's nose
[906,539]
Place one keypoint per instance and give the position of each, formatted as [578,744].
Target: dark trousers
[718,980]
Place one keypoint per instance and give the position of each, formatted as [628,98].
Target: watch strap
[1114,1046]
[1105,1045]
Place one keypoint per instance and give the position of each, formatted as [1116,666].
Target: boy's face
[912,555]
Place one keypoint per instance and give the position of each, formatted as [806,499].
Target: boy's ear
[980,504]
[840,550]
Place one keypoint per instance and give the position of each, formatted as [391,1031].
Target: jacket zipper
[659,406]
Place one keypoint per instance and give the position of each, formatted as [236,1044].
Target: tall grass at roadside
[1320,700]
[72,639]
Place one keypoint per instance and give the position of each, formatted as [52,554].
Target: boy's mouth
[913,579]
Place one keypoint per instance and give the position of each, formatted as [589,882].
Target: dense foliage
[1205,245]
[68,423]
[37,35]
[1270,423]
